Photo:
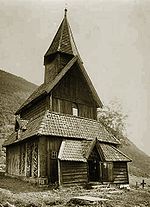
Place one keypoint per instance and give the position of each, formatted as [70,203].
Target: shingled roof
[63,40]
[111,153]
[63,125]
[72,150]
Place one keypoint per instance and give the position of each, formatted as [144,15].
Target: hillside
[13,92]
[140,165]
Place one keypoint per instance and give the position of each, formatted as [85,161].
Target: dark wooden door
[94,170]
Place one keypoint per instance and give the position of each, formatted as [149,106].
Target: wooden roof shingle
[73,150]
[64,125]
[111,153]
[63,40]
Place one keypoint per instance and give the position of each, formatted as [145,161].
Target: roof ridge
[91,86]
[61,32]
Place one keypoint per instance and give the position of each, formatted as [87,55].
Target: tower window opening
[75,110]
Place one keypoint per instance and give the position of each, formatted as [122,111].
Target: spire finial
[65,12]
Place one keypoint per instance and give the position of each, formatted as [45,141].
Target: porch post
[59,172]
[100,171]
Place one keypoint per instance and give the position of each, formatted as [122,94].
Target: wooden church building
[57,138]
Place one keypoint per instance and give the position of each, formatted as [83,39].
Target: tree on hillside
[113,119]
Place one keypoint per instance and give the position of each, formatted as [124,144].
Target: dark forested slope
[13,92]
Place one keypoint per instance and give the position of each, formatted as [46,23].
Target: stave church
[57,138]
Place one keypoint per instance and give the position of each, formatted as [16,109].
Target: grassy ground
[23,194]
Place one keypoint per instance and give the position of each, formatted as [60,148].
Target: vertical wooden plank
[43,156]
[100,170]
[35,159]
[38,159]
[52,170]
[50,102]
[25,170]
[59,173]
[110,171]
[127,172]
[48,158]
[7,160]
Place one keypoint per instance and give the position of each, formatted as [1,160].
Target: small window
[75,110]
[53,155]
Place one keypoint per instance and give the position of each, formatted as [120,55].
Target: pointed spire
[63,41]
[65,12]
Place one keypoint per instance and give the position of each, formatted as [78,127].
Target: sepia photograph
[74,103]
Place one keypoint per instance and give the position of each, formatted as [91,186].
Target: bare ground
[22,194]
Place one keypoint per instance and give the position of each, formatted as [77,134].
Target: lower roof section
[74,150]
[63,125]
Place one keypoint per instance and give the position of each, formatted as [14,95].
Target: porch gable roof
[74,150]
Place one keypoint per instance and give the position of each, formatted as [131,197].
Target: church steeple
[61,50]
[63,41]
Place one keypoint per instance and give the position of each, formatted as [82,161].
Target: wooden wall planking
[13,160]
[53,145]
[54,64]
[65,106]
[35,109]
[120,172]
[73,172]
[42,150]
[74,89]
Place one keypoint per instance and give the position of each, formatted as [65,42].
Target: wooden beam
[59,173]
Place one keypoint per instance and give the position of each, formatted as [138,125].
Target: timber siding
[23,159]
[42,156]
[73,172]
[53,66]
[120,172]
[73,89]
[53,146]
[36,109]
[13,160]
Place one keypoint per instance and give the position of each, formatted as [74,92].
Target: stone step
[87,200]
[104,188]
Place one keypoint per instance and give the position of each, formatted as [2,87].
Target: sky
[113,39]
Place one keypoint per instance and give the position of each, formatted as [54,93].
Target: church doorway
[94,167]
[94,170]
